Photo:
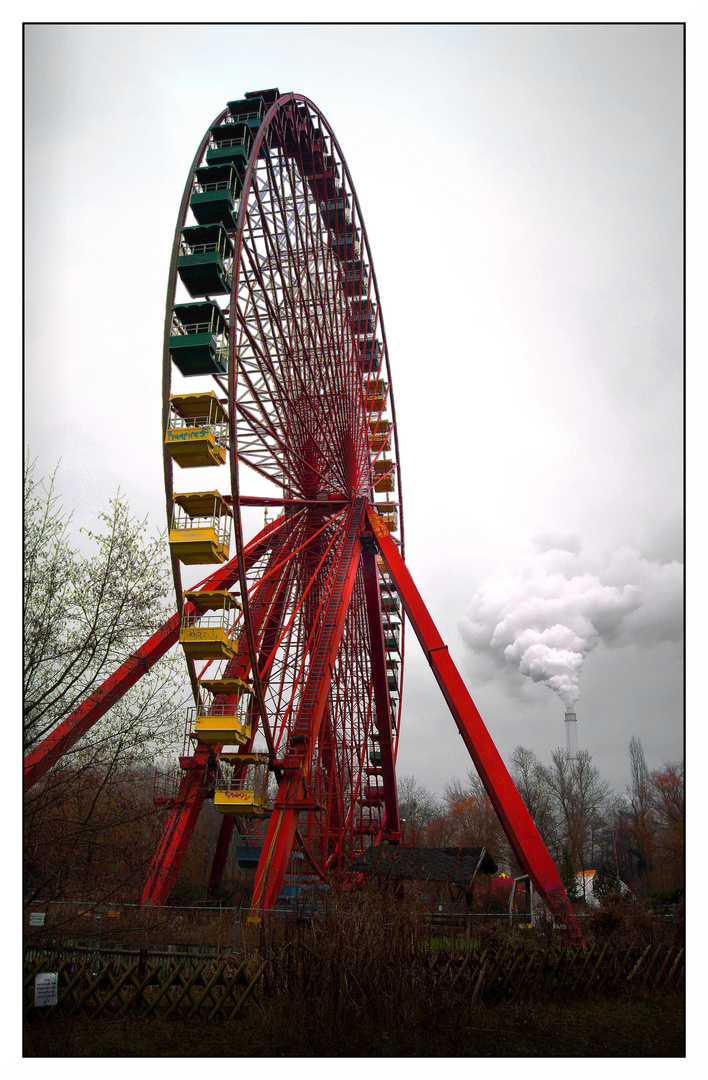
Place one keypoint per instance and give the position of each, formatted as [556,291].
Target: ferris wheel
[281,442]
[273,310]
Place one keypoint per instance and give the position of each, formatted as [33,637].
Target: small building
[437,866]
[586,888]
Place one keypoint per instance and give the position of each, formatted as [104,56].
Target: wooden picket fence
[506,973]
[218,987]
[109,985]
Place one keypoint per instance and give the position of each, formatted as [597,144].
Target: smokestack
[571,734]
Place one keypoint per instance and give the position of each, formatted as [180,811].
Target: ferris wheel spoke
[258,376]
[309,538]
[264,289]
[266,429]
[262,449]
[281,259]
[297,783]
[308,253]
[305,591]
[271,441]
[281,643]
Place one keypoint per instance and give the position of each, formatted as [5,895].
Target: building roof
[457,865]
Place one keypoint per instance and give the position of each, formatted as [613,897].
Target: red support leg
[278,843]
[222,850]
[522,834]
[168,858]
[183,816]
[335,802]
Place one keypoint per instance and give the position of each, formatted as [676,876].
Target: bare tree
[581,800]
[417,807]
[651,825]
[475,820]
[669,808]
[640,815]
[531,783]
[83,616]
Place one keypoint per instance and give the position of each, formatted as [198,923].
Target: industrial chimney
[571,734]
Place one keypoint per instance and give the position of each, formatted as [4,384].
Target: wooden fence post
[249,988]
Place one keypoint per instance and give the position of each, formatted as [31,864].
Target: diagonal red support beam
[174,841]
[47,752]
[522,834]
[335,802]
[40,760]
[69,731]
[263,601]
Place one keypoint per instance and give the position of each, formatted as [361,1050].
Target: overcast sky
[522,192]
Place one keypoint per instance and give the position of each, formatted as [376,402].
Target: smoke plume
[547,618]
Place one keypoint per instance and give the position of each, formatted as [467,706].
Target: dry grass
[365,980]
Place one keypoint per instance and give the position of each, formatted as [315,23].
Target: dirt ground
[648,1026]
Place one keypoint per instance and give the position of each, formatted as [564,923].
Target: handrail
[215,185]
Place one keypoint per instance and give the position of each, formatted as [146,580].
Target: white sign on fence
[46,987]
[37,918]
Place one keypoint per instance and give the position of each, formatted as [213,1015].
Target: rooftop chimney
[571,734]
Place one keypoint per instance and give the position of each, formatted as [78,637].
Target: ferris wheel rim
[168,464]
[274,108]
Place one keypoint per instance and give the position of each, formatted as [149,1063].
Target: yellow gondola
[222,717]
[207,636]
[197,430]
[201,527]
[245,796]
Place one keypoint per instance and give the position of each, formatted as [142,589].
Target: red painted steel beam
[223,843]
[297,765]
[382,699]
[335,802]
[175,839]
[529,849]
[278,843]
[239,666]
[47,752]
[69,731]
[338,503]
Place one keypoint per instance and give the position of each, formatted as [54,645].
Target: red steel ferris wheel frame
[311,623]
[297,110]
